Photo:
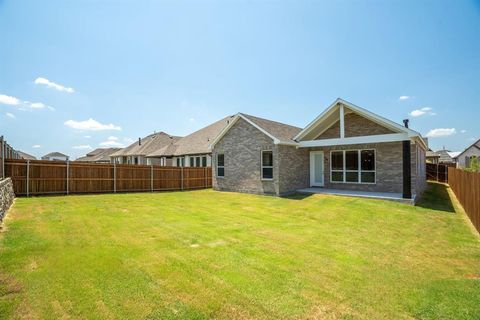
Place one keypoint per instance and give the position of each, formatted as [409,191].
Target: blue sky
[138,66]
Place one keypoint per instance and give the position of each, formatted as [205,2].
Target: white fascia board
[391,137]
[287,143]
[223,132]
[310,126]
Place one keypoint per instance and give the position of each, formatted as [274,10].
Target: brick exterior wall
[242,146]
[355,126]
[243,143]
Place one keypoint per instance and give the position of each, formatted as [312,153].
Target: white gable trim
[367,114]
[390,137]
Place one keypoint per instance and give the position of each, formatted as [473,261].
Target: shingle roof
[55,154]
[98,155]
[444,156]
[281,131]
[197,142]
[432,154]
[475,145]
[26,156]
[149,144]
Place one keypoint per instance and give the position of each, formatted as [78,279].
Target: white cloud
[422,111]
[441,132]
[463,131]
[36,146]
[88,137]
[10,115]
[111,141]
[403,98]
[91,125]
[12,101]
[51,84]
[82,147]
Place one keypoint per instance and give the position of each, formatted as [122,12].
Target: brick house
[346,147]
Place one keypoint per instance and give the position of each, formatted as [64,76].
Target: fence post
[114,177]
[1,156]
[28,178]
[68,174]
[151,177]
[181,177]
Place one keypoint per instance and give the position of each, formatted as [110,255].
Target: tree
[474,165]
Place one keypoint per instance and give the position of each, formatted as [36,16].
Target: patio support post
[407,177]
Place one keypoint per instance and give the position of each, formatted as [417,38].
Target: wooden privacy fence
[438,172]
[36,177]
[466,186]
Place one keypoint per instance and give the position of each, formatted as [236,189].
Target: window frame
[266,167]
[217,166]
[359,171]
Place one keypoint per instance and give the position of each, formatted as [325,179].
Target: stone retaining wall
[6,196]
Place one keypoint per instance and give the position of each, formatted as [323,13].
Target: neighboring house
[446,156]
[432,157]
[464,158]
[137,152]
[346,147]
[194,149]
[55,156]
[25,156]
[99,155]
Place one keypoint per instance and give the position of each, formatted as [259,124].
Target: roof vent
[139,141]
[405,122]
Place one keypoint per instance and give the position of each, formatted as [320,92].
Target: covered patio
[359,194]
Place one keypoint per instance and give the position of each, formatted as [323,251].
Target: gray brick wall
[242,146]
[294,165]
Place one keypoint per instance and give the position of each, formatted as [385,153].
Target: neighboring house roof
[54,154]
[197,142]
[279,132]
[454,154]
[147,145]
[444,155]
[432,154]
[98,155]
[25,155]
[329,115]
[475,145]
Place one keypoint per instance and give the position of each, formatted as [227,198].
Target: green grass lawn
[206,254]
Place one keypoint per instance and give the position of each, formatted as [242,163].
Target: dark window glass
[337,160]
[368,159]
[267,173]
[267,159]
[351,176]
[220,160]
[220,172]
[337,176]
[204,161]
[192,162]
[197,160]
[368,177]
[351,160]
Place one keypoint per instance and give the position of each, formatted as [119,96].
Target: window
[267,165]
[352,166]
[197,162]
[204,161]
[220,165]
[192,161]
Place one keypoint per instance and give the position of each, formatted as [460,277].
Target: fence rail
[37,177]
[466,186]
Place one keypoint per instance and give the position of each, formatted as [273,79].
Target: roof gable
[331,115]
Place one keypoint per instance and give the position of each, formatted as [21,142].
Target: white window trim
[267,167]
[217,166]
[344,170]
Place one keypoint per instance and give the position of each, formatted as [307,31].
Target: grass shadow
[297,196]
[436,197]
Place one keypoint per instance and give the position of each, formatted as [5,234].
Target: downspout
[407,174]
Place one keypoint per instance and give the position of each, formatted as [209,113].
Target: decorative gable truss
[344,123]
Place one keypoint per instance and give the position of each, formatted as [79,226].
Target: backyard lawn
[206,254]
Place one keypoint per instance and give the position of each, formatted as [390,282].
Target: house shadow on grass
[297,196]
[436,197]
